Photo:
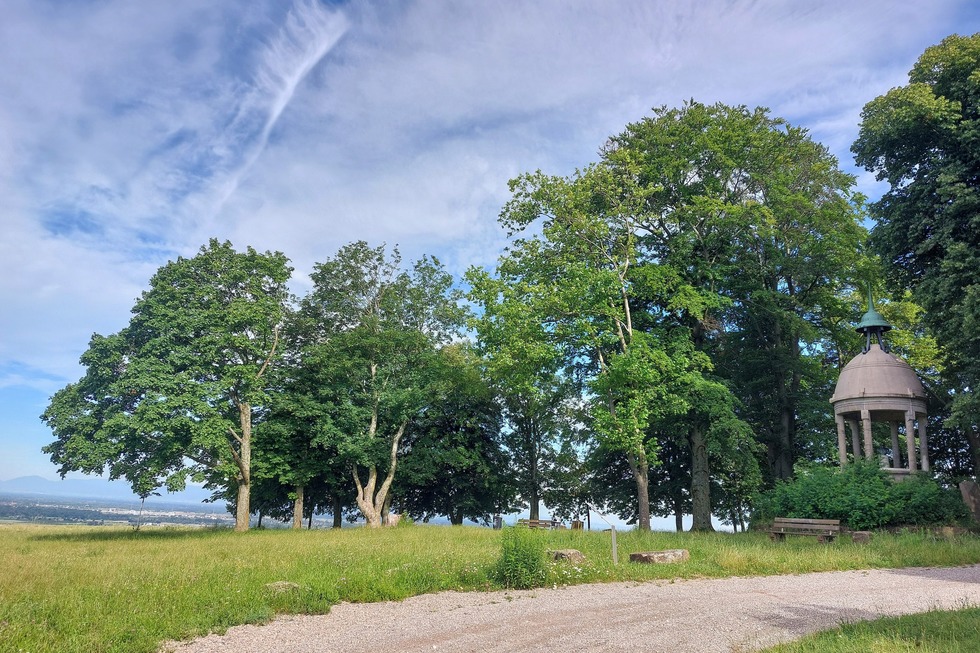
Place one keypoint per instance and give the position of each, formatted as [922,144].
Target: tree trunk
[456,517]
[781,449]
[298,508]
[783,463]
[700,481]
[244,461]
[386,510]
[678,500]
[365,497]
[535,457]
[973,438]
[338,510]
[535,500]
[641,474]
[259,524]
[372,502]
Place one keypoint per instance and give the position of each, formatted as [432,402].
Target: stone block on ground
[971,497]
[571,555]
[861,537]
[660,557]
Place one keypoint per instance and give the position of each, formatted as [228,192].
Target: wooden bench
[825,530]
[540,523]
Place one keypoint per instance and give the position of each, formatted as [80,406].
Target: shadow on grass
[116,535]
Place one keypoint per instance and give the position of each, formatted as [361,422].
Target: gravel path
[733,614]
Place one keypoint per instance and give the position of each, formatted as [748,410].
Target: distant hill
[94,488]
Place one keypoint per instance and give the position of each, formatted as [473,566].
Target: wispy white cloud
[308,34]
[381,142]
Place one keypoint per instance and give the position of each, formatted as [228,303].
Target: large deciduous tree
[582,282]
[371,336]
[294,453]
[703,232]
[922,138]
[759,220]
[523,362]
[174,394]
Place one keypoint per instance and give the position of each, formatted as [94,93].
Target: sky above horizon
[131,133]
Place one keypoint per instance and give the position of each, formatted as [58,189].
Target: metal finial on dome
[873,323]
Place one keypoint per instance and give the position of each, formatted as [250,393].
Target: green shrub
[921,501]
[523,561]
[862,496]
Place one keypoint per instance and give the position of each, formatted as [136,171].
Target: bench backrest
[815,525]
[537,523]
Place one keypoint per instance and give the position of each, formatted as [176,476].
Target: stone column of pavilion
[877,386]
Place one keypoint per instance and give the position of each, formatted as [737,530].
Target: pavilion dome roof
[877,373]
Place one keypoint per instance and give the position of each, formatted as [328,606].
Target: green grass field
[96,589]
[957,631]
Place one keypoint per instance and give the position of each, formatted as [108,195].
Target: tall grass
[523,558]
[65,589]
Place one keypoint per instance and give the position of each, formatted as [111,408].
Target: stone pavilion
[877,386]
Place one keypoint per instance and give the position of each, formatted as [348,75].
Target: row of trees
[660,337]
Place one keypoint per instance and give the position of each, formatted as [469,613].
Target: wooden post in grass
[612,530]
[615,548]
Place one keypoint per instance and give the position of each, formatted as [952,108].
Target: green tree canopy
[454,463]
[175,393]
[922,139]
[524,362]
[370,336]
[688,278]
[583,290]
[759,222]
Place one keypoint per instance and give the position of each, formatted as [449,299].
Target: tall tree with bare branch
[372,332]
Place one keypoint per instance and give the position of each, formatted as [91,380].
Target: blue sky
[131,133]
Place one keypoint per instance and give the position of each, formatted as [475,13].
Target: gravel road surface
[733,614]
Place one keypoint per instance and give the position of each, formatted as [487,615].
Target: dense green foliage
[368,361]
[690,282]
[922,139]
[863,497]
[763,229]
[523,363]
[174,394]
[455,463]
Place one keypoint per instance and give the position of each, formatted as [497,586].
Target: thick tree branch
[272,352]
[390,477]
